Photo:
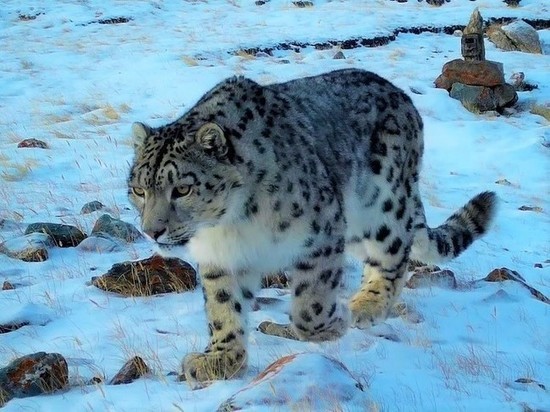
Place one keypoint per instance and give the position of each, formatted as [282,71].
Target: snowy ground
[79,86]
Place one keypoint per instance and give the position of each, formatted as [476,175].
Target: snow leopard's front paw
[201,368]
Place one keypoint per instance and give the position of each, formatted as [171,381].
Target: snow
[79,86]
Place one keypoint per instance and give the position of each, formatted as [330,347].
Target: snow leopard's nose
[155,234]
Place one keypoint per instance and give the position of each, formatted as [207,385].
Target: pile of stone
[478,83]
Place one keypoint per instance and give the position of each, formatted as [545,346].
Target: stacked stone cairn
[476,82]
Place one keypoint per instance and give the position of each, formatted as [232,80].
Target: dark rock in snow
[35,143]
[92,206]
[479,99]
[503,274]
[339,56]
[424,277]
[62,235]
[32,247]
[32,375]
[116,228]
[10,327]
[7,285]
[303,3]
[134,369]
[147,277]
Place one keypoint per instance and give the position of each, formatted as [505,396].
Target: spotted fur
[255,179]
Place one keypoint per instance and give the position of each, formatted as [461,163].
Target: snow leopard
[255,179]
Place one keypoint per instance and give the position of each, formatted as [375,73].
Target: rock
[33,375]
[134,369]
[503,274]
[116,228]
[517,80]
[516,36]
[523,36]
[62,235]
[10,327]
[277,280]
[529,381]
[479,99]
[148,277]
[505,95]
[423,278]
[474,73]
[475,25]
[512,3]
[526,208]
[32,247]
[35,143]
[436,2]
[7,285]
[339,56]
[305,381]
[302,4]
[92,206]
[100,243]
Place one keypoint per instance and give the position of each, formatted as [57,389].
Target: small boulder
[147,277]
[134,369]
[62,235]
[92,206]
[516,36]
[305,381]
[524,36]
[32,247]
[7,285]
[116,228]
[100,243]
[479,99]
[424,278]
[10,327]
[34,143]
[503,274]
[505,95]
[339,55]
[33,375]
[475,73]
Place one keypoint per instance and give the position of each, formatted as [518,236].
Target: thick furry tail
[457,233]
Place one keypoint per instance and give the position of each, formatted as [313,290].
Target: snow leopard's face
[181,180]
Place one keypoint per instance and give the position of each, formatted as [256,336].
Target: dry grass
[15,172]
[189,61]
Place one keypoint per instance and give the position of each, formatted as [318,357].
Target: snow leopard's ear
[140,132]
[212,139]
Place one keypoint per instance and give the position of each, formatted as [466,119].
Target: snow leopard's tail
[458,232]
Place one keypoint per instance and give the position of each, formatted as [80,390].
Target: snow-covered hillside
[76,74]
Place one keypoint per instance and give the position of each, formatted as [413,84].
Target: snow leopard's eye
[181,191]
[138,191]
